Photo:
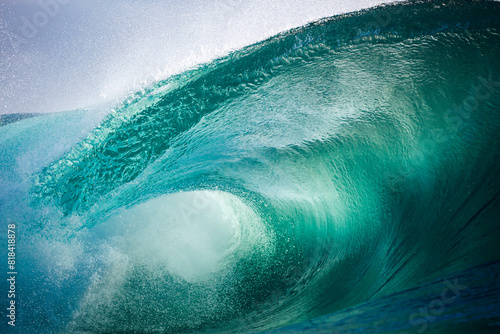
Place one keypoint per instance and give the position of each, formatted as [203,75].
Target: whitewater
[338,177]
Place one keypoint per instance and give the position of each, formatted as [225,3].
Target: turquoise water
[327,167]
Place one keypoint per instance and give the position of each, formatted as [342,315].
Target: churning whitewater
[331,165]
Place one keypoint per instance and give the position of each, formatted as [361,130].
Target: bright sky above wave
[60,55]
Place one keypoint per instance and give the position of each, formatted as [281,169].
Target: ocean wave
[329,165]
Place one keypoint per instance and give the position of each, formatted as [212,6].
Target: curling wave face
[332,164]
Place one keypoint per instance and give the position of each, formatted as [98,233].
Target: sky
[58,55]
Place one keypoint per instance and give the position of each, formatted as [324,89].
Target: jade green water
[328,166]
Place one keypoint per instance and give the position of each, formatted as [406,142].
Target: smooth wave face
[330,165]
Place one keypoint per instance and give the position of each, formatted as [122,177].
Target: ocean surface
[341,177]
